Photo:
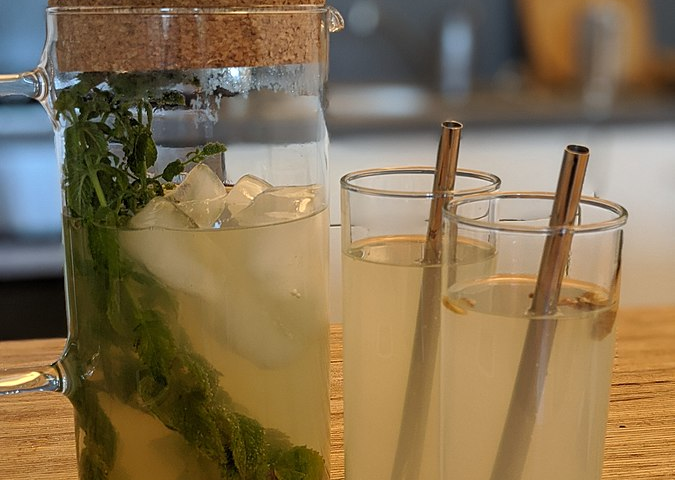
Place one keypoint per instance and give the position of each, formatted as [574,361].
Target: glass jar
[193,149]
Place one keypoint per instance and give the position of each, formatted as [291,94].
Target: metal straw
[530,380]
[422,362]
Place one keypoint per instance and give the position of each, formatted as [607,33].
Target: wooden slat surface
[37,441]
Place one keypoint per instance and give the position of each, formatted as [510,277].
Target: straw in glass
[425,344]
[530,380]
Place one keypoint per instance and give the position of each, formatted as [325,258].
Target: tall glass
[390,366]
[193,150]
[525,396]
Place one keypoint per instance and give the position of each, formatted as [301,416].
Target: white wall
[631,165]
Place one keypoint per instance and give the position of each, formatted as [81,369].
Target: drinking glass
[525,396]
[391,311]
[193,149]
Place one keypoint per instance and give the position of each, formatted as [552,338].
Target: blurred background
[526,77]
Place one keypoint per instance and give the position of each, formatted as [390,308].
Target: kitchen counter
[405,108]
[37,440]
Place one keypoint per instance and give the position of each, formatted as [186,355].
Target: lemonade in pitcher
[198,344]
[209,343]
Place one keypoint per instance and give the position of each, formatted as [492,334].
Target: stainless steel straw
[530,380]
[422,362]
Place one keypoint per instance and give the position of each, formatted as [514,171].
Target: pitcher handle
[48,378]
[28,84]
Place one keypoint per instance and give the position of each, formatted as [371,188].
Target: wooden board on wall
[553,32]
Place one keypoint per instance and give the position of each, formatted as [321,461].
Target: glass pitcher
[193,150]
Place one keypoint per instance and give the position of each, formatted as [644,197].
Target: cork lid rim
[108,10]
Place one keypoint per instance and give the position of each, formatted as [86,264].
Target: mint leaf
[299,463]
[212,149]
[172,170]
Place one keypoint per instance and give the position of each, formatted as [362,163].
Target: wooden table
[37,440]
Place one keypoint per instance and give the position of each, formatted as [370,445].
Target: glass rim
[177,11]
[620,214]
[347,182]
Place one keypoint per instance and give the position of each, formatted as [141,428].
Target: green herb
[125,332]
[101,184]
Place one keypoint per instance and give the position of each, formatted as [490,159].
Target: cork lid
[134,35]
[181,3]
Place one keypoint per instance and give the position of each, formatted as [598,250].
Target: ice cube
[161,212]
[281,204]
[147,448]
[180,259]
[204,213]
[268,330]
[164,240]
[242,194]
[271,304]
[201,183]
[201,196]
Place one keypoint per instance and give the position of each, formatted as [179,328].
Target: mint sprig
[109,185]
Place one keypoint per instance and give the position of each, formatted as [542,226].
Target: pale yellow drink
[236,323]
[382,278]
[483,329]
